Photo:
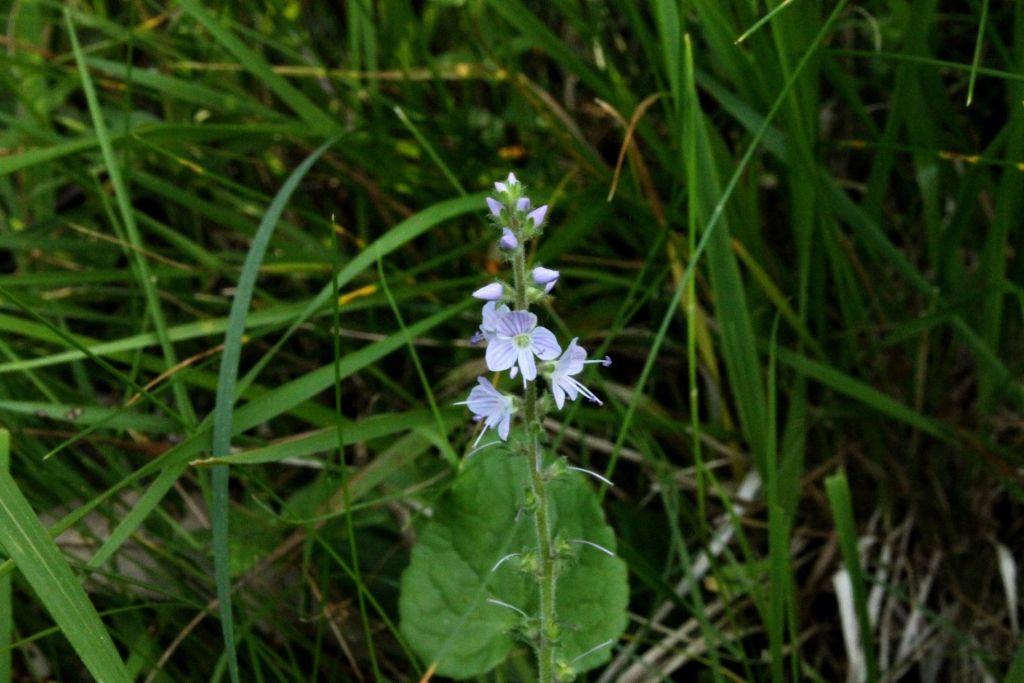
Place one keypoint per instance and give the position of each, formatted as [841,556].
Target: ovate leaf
[445,613]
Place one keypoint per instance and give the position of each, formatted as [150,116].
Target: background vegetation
[801,250]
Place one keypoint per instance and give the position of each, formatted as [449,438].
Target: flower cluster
[515,342]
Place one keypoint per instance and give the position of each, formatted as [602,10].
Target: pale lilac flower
[491,292]
[537,215]
[508,239]
[545,276]
[491,406]
[495,206]
[491,314]
[562,382]
[523,204]
[517,341]
[511,181]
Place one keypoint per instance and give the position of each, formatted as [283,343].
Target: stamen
[591,396]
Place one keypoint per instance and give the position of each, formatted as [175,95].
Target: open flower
[491,406]
[517,341]
[491,314]
[561,378]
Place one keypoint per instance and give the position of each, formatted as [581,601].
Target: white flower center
[521,341]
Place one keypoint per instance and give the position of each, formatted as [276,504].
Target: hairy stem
[547,638]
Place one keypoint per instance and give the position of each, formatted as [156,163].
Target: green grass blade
[353,432]
[267,407]
[709,230]
[1015,673]
[763,20]
[299,103]
[27,542]
[225,401]
[864,393]
[838,491]
[143,274]
[778,528]
[977,52]
[442,430]
[429,149]
[6,604]
[401,234]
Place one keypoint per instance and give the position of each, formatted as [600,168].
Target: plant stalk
[548,635]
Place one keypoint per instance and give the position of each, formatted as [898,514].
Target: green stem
[548,636]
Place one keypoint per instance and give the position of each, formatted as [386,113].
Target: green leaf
[445,613]
[24,538]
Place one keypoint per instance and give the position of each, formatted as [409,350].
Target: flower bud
[508,240]
[509,183]
[538,215]
[495,206]
[491,292]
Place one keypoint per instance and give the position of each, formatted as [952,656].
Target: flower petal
[523,204]
[495,206]
[544,344]
[515,323]
[501,355]
[485,403]
[570,386]
[527,364]
[559,394]
[506,422]
[491,314]
[485,385]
